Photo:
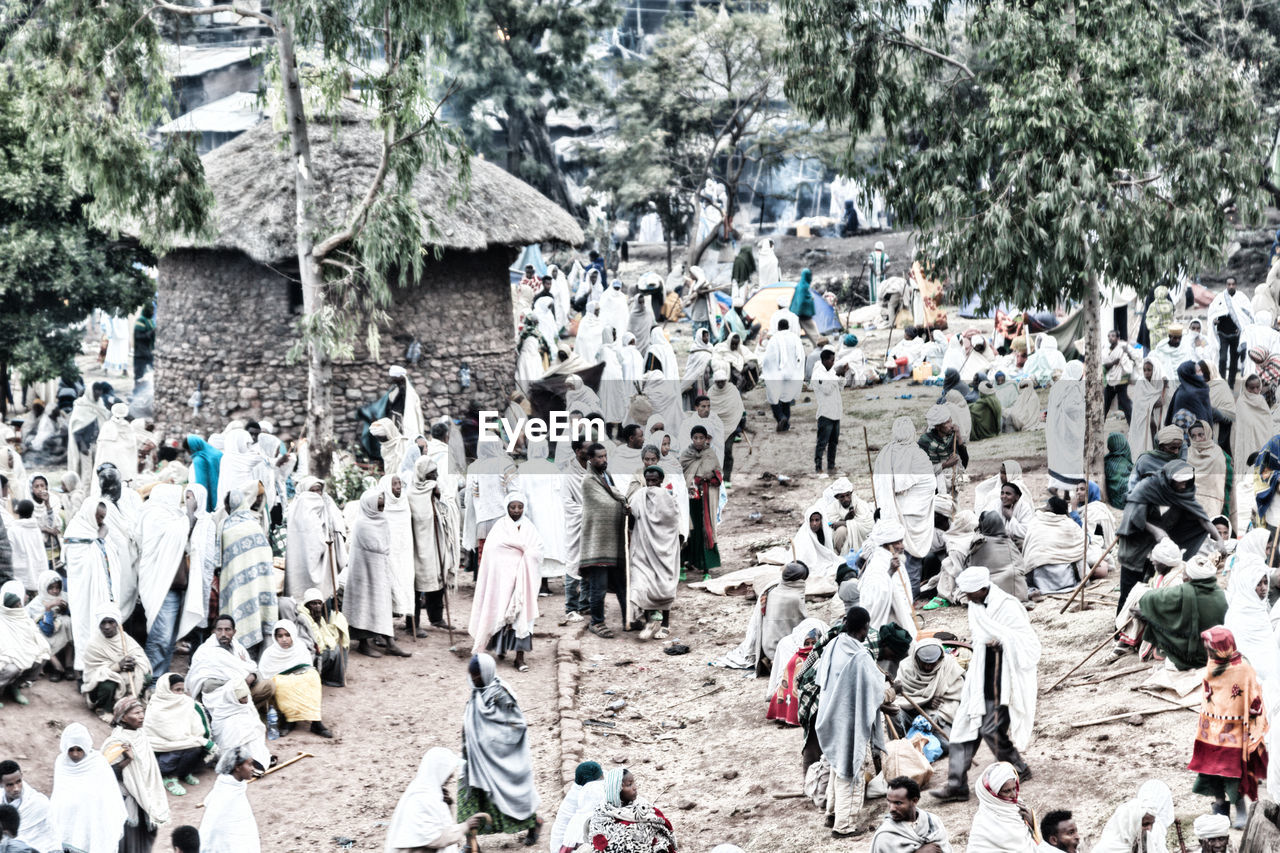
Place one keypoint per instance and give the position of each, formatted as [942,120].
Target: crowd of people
[223,550]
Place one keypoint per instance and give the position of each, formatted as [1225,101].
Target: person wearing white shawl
[235,722]
[179,733]
[289,664]
[1025,412]
[654,554]
[34,828]
[782,369]
[586,793]
[774,615]
[123,505]
[118,444]
[850,517]
[703,416]
[1046,363]
[614,309]
[669,461]
[661,355]
[665,399]
[366,583]
[404,403]
[885,589]
[1002,824]
[960,415]
[1150,394]
[615,391]
[228,825]
[128,749]
[530,364]
[434,514]
[847,725]
[242,465]
[170,587]
[1019,511]
[395,490]
[561,295]
[88,413]
[543,486]
[115,666]
[698,363]
[812,543]
[1064,439]
[423,819]
[486,488]
[904,486]
[392,444]
[1002,637]
[497,771]
[1252,428]
[48,610]
[1140,823]
[505,603]
[85,806]
[27,544]
[89,580]
[766,263]
[1053,549]
[314,521]
[789,645]
[590,334]
[23,649]
[1250,621]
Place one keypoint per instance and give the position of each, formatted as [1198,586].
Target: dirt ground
[694,735]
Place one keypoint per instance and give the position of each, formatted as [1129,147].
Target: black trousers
[726,466]
[995,731]
[828,438]
[599,580]
[1120,394]
[1228,357]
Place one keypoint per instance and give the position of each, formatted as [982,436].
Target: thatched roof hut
[228,304]
[252,179]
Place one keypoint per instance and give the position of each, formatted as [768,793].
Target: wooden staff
[1080,587]
[921,711]
[955,466]
[1109,638]
[870,470]
[333,572]
[1084,515]
[124,648]
[626,561]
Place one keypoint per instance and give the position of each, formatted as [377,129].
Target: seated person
[49,610]
[325,633]
[932,679]
[289,664]
[180,734]
[114,664]
[235,723]
[23,649]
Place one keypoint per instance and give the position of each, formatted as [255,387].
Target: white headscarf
[276,659]
[998,826]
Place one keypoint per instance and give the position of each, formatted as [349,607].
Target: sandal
[531,837]
[662,633]
[602,631]
[171,785]
[524,667]
[936,603]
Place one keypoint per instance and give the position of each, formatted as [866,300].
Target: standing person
[905,486]
[1229,313]
[32,807]
[655,554]
[435,543]
[172,595]
[404,406]
[247,582]
[998,703]
[505,604]
[600,556]
[1213,470]
[366,598]
[702,477]
[574,469]
[85,807]
[825,382]
[802,306]
[206,462]
[883,585]
[726,404]
[228,825]
[1064,436]
[89,580]
[699,292]
[1230,753]
[144,341]
[423,819]
[907,828]
[141,786]
[316,550]
[848,725]
[709,420]
[50,518]
[395,491]
[782,369]
[1117,365]
[497,771]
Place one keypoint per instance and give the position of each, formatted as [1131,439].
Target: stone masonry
[229,321]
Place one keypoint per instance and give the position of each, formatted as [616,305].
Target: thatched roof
[252,180]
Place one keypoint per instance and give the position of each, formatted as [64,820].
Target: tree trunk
[1094,435]
[515,138]
[319,423]
[545,153]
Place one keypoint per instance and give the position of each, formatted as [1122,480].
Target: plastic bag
[932,746]
[816,779]
[905,757]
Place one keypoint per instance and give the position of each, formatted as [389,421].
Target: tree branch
[194,11]
[903,41]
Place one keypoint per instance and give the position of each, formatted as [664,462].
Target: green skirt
[473,801]
[697,555]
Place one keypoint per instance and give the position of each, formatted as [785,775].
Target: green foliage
[55,267]
[348,483]
[1075,141]
[512,61]
[706,103]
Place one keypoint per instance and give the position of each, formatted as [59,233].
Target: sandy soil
[708,759]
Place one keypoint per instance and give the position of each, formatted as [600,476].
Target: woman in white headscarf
[590,334]
[1140,823]
[615,392]
[1064,439]
[423,819]
[814,543]
[662,356]
[905,485]
[885,587]
[664,397]
[235,721]
[1046,364]
[22,647]
[367,581]
[289,664]
[767,271]
[118,444]
[1149,394]
[1002,823]
[1250,621]
[85,807]
[314,521]
[579,396]
[395,489]
[698,363]
[241,464]
[505,603]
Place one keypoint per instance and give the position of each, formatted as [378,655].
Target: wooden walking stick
[953,467]
[1084,516]
[871,472]
[1109,638]
[125,649]
[333,572]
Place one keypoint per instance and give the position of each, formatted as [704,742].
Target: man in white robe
[782,369]
[118,444]
[998,701]
[228,825]
[1173,350]
[851,517]
[405,406]
[34,827]
[544,486]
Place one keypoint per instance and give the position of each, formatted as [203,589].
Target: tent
[764,302]
[532,254]
[1117,311]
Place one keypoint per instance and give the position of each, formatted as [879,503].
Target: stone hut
[228,305]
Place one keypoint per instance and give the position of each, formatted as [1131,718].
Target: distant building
[229,303]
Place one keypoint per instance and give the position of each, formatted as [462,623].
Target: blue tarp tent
[764,302]
[531,255]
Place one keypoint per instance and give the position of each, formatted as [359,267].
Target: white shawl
[85,806]
[1001,617]
[400,520]
[21,643]
[885,594]
[141,776]
[422,816]
[507,585]
[820,557]
[162,533]
[905,484]
[228,825]
[998,826]
[237,723]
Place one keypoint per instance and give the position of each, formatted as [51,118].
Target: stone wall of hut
[226,323]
